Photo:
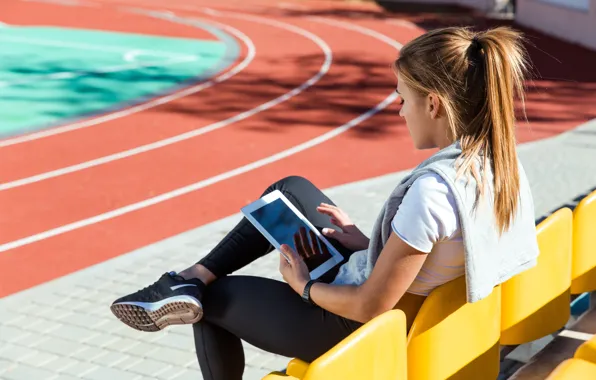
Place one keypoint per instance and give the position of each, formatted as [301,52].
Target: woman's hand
[349,236]
[294,270]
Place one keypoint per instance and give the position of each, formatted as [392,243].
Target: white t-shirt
[427,220]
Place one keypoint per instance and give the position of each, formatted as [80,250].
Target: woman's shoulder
[428,212]
[430,184]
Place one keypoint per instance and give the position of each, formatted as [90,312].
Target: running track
[308,95]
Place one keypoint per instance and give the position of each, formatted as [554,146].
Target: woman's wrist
[306,292]
[300,285]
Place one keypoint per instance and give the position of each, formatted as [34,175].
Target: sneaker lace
[152,290]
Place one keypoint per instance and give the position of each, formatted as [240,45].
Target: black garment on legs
[244,244]
[266,313]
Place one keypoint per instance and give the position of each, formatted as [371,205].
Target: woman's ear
[434,105]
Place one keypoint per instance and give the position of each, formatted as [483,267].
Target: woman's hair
[476,76]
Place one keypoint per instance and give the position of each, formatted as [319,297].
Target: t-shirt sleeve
[427,214]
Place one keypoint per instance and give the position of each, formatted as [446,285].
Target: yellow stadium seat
[535,303]
[376,351]
[583,272]
[587,351]
[574,369]
[453,339]
[297,368]
[278,376]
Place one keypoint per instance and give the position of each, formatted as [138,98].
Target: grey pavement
[64,330]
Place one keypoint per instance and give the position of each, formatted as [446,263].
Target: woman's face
[417,110]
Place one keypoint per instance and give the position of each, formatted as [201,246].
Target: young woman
[457,90]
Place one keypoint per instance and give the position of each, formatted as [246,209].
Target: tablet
[279,221]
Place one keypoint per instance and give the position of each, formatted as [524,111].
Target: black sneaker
[171,300]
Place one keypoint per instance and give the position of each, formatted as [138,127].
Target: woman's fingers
[287,256]
[337,215]
[328,208]
[283,262]
[326,211]
[334,234]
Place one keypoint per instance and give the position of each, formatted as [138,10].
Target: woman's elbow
[372,309]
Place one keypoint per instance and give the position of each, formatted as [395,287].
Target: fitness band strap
[306,293]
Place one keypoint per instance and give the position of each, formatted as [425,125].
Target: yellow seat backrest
[376,351]
[587,351]
[453,339]
[574,369]
[583,272]
[536,301]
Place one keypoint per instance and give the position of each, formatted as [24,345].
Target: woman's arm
[393,273]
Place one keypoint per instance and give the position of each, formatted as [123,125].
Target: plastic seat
[453,339]
[587,351]
[278,376]
[574,369]
[376,351]
[535,303]
[583,272]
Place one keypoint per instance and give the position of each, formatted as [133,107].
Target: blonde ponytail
[504,70]
[477,76]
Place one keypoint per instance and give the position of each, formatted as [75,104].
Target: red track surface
[358,79]
[41,14]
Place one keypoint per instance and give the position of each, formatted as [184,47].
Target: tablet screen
[281,223]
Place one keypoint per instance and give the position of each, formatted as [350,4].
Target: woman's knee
[291,182]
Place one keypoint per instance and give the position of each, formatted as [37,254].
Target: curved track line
[229,174]
[208,128]
[153,103]
[361,29]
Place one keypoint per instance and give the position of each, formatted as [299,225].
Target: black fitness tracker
[306,292]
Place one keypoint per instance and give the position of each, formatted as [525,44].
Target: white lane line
[229,174]
[153,103]
[208,128]
[369,32]
[109,69]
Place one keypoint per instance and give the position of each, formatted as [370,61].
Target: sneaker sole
[142,317]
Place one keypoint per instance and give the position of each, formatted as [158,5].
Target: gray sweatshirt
[490,259]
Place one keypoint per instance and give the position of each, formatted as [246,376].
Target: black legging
[261,311]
